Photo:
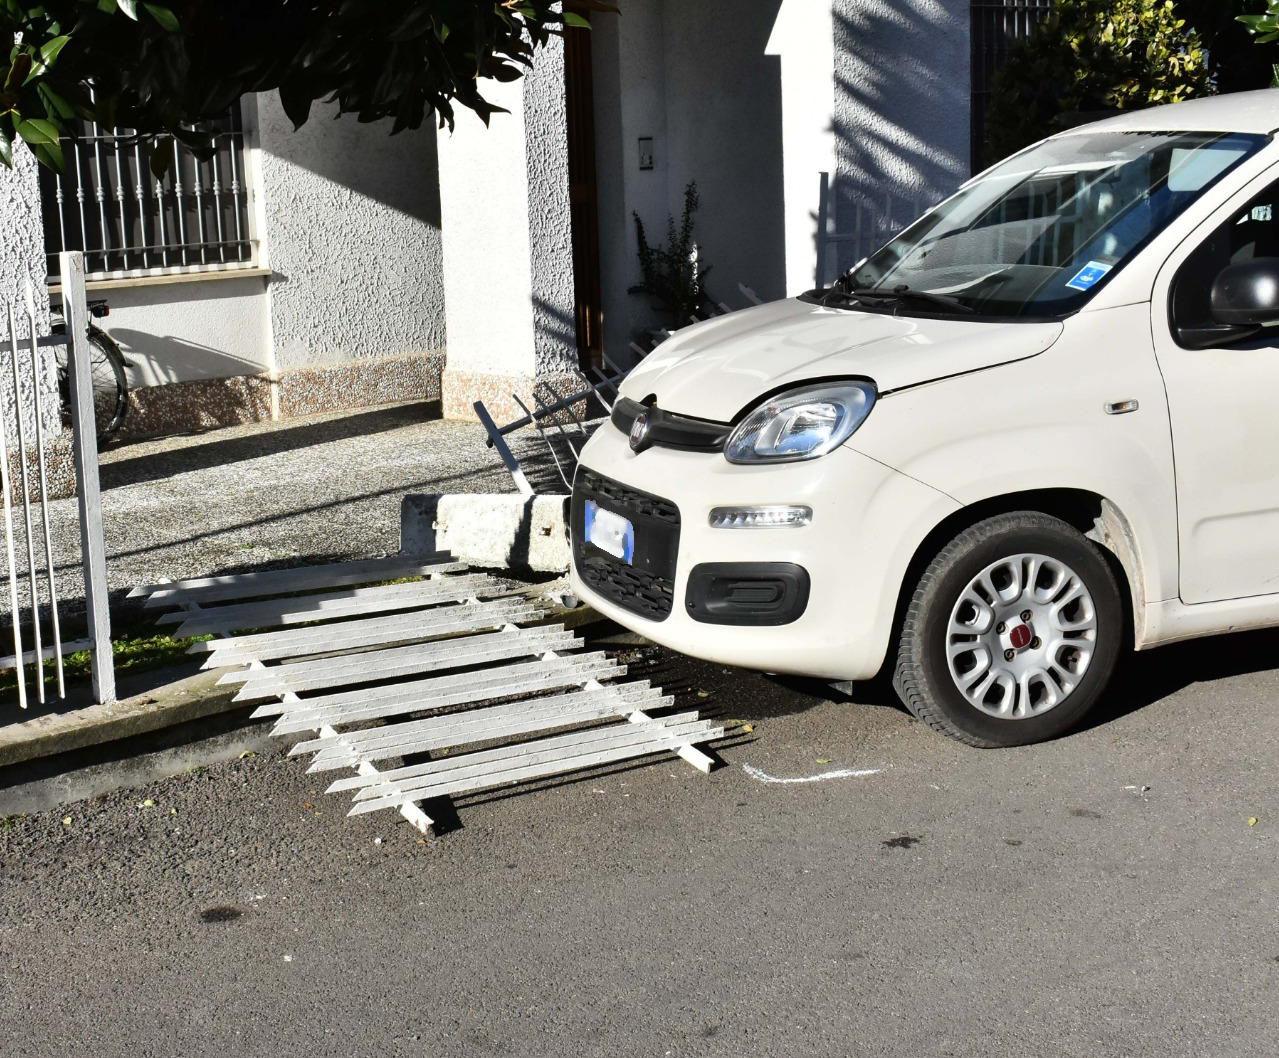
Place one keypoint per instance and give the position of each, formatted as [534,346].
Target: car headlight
[801,423]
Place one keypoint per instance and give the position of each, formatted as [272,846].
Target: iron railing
[108,204]
[997,26]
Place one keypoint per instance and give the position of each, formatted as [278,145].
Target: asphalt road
[1102,895]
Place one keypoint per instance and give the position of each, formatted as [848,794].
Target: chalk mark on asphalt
[840,773]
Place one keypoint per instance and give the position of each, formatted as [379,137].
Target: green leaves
[1264,27]
[1090,57]
[166,67]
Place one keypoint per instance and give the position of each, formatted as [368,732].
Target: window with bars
[108,204]
[997,25]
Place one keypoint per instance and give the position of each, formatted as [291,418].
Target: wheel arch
[1092,514]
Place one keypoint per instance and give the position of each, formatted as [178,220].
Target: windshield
[1042,232]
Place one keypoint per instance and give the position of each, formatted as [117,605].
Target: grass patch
[133,652]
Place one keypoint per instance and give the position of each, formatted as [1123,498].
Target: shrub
[669,274]
[1089,58]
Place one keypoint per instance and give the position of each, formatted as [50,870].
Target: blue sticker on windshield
[1088,276]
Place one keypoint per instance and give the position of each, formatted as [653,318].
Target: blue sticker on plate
[1088,276]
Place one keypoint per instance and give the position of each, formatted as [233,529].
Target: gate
[24,482]
[997,26]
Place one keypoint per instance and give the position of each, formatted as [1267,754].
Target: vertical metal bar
[79,194]
[159,215]
[26,504]
[178,208]
[823,214]
[217,204]
[13,562]
[198,191]
[84,438]
[44,490]
[545,437]
[100,192]
[120,198]
[237,186]
[140,193]
[61,197]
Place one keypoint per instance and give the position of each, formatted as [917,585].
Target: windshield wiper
[905,293]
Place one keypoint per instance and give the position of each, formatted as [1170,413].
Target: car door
[1224,406]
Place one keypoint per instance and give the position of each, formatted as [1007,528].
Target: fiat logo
[640,430]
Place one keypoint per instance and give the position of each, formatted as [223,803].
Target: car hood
[718,368]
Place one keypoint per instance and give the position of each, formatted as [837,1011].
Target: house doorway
[583,196]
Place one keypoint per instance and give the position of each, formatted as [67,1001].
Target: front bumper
[867,522]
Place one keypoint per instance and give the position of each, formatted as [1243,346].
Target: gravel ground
[1102,895]
[321,488]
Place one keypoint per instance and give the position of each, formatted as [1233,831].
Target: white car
[1040,425]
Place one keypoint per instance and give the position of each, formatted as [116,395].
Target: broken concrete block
[491,531]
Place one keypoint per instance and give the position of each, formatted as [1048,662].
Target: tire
[946,634]
[110,384]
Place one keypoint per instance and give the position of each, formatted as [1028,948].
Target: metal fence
[850,227]
[108,204]
[996,26]
[24,481]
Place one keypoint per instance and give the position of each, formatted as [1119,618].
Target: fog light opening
[774,516]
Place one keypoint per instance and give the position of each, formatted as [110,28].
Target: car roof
[1236,112]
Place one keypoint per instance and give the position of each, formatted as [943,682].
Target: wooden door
[583,203]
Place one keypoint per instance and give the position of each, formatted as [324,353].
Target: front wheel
[1012,633]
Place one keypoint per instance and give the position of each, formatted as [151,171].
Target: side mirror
[1244,298]
[1247,294]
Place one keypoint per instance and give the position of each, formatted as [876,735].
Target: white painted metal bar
[483,728]
[477,725]
[623,696]
[500,758]
[416,626]
[70,646]
[299,578]
[42,474]
[12,568]
[443,691]
[411,813]
[88,493]
[305,609]
[639,741]
[26,500]
[347,670]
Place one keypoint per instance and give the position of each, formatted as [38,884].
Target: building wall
[22,269]
[901,108]
[352,227]
[697,79]
[196,330]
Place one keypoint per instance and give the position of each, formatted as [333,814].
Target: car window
[1251,232]
[1041,233]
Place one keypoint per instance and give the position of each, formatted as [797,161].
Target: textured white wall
[508,268]
[353,237]
[22,267]
[185,331]
[902,99]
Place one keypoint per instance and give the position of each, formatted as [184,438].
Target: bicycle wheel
[110,384]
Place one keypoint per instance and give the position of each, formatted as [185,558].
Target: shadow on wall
[902,102]
[172,359]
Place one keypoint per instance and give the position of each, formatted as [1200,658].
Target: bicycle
[107,368]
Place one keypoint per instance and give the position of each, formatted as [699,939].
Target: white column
[508,262]
[804,38]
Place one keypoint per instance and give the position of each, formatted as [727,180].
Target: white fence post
[85,441]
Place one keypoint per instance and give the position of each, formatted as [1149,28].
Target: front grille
[647,587]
